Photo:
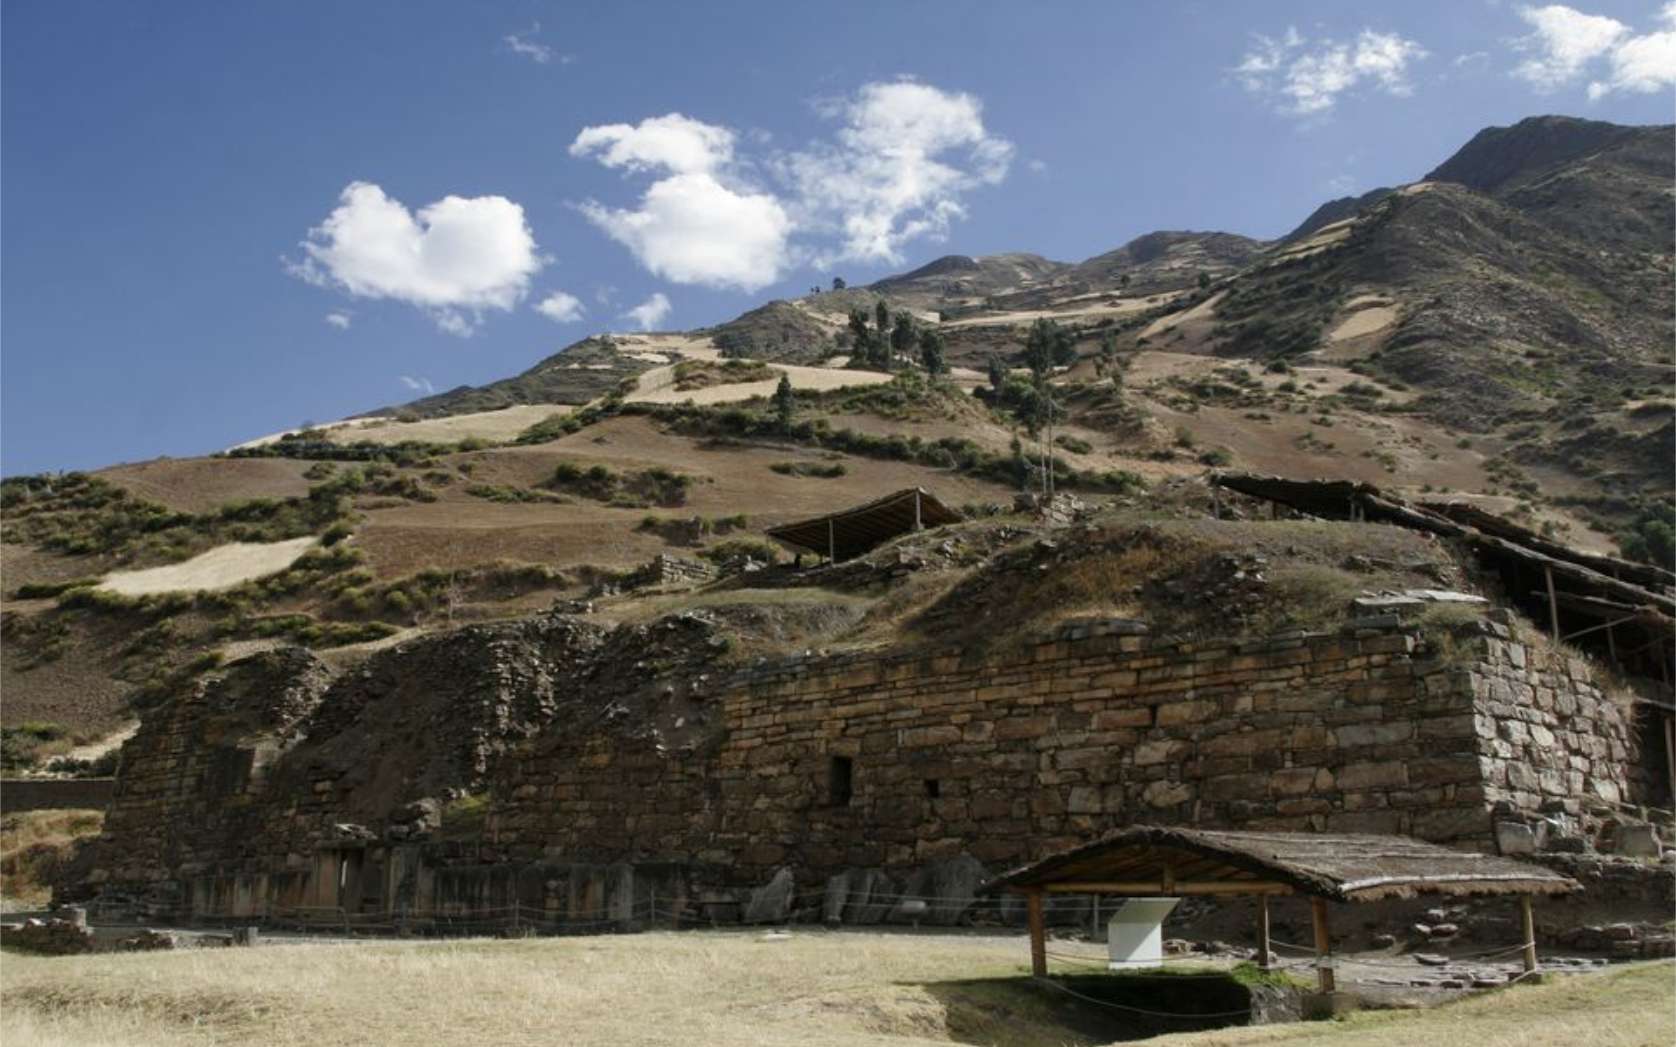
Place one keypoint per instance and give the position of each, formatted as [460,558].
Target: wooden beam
[1670,750]
[1529,922]
[1264,959]
[1553,605]
[1151,887]
[1323,943]
[1038,934]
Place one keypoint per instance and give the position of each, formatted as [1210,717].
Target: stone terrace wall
[1010,756]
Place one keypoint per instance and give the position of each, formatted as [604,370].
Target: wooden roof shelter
[1621,610]
[1149,861]
[851,532]
[1581,594]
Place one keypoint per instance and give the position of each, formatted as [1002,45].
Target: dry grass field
[811,988]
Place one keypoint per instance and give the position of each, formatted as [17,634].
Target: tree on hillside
[1048,345]
[861,336]
[1204,281]
[1106,356]
[903,337]
[931,351]
[838,283]
[997,372]
[785,402]
[881,316]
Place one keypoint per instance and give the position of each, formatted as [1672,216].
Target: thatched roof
[851,532]
[1343,867]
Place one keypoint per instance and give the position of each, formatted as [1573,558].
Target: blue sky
[220,220]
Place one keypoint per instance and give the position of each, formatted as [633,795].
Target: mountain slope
[1606,185]
[1336,211]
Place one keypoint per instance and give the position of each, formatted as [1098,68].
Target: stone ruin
[560,774]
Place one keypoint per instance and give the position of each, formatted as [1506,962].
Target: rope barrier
[1459,958]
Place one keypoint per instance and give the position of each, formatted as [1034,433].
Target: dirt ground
[197,485]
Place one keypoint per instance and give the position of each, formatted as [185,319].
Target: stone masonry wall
[1010,756]
[629,759]
[1549,737]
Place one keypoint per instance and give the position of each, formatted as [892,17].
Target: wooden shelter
[1158,861]
[851,532]
[1624,612]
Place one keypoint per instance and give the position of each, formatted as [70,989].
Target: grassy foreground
[812,988]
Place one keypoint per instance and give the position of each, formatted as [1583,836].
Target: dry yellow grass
[812,988]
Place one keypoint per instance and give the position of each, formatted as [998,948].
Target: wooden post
[831,543]
[1670,750]
[917,524]
[1264,958]
[1038,933]
[1553,605]
[1323,944]
[1529,922]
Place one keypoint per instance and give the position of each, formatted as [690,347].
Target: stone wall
[892,763]
[1550,737]
[618,764]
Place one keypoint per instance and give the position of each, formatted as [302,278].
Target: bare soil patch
[220,568]
[198,485]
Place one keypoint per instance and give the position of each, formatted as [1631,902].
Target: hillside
[1497,334]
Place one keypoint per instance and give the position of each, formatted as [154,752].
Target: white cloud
[896,170]
[1037,166]
[1471,58]
[418,385]
[561,307]
[1645,63]
[1306,78]
[524,46]
[453,258]
[650,313]
[1564,41]
[678,143]
[338,319]
[692,229]
[700,223]
[1343,184]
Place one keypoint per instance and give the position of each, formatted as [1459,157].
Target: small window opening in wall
[841,781]
[933,788]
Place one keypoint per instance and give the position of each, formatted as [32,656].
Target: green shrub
[49,590]
[826,472]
